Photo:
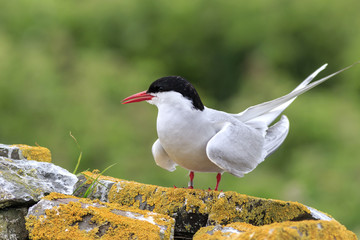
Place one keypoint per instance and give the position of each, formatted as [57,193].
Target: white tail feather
[265,113]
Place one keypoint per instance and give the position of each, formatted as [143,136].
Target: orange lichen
[40,154]
[309,229]
[222,207]
[255,217]
[63,221]
[55,195]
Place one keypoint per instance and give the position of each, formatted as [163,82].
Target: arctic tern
[202,139]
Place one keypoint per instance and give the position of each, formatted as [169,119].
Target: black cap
[180,85]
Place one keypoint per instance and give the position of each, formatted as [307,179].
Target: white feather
[268,111]
[162,159]
[275,135]
[216,141]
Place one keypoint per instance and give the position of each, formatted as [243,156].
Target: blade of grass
[84,183]
[95,182]
[80,155]
[77,164]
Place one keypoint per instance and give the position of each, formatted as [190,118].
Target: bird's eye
[160,89]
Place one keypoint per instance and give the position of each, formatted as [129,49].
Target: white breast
[184,133]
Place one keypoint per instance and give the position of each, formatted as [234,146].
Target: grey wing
[161,157]
[275,135]
[236,148]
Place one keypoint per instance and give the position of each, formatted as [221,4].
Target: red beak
[138,97]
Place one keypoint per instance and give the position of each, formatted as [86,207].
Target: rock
[26,182]
[12,223]
[23,152]
[99,190]
[194,209]
[60,216]
[307,229]
[135,210]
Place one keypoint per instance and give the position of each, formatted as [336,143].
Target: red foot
[191,183]
[218,179]
[191,186]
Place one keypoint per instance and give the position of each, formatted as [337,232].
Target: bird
[202,139]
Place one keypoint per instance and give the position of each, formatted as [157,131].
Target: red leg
[218,179]
[191,183]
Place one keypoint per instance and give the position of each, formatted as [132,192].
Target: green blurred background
[66,65]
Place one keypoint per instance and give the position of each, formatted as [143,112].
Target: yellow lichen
[61,222]
[40,154]
[55,195]
[221,207]
[309,229]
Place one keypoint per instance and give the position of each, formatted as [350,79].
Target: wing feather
[161,157]
[275,135]
[236,148]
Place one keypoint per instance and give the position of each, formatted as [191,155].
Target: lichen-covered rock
[193,209]
[26,182]
[307,229]
[23,152]
[98,190]
[60,216]
[12,223]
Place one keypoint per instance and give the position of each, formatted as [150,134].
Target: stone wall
[39,200]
